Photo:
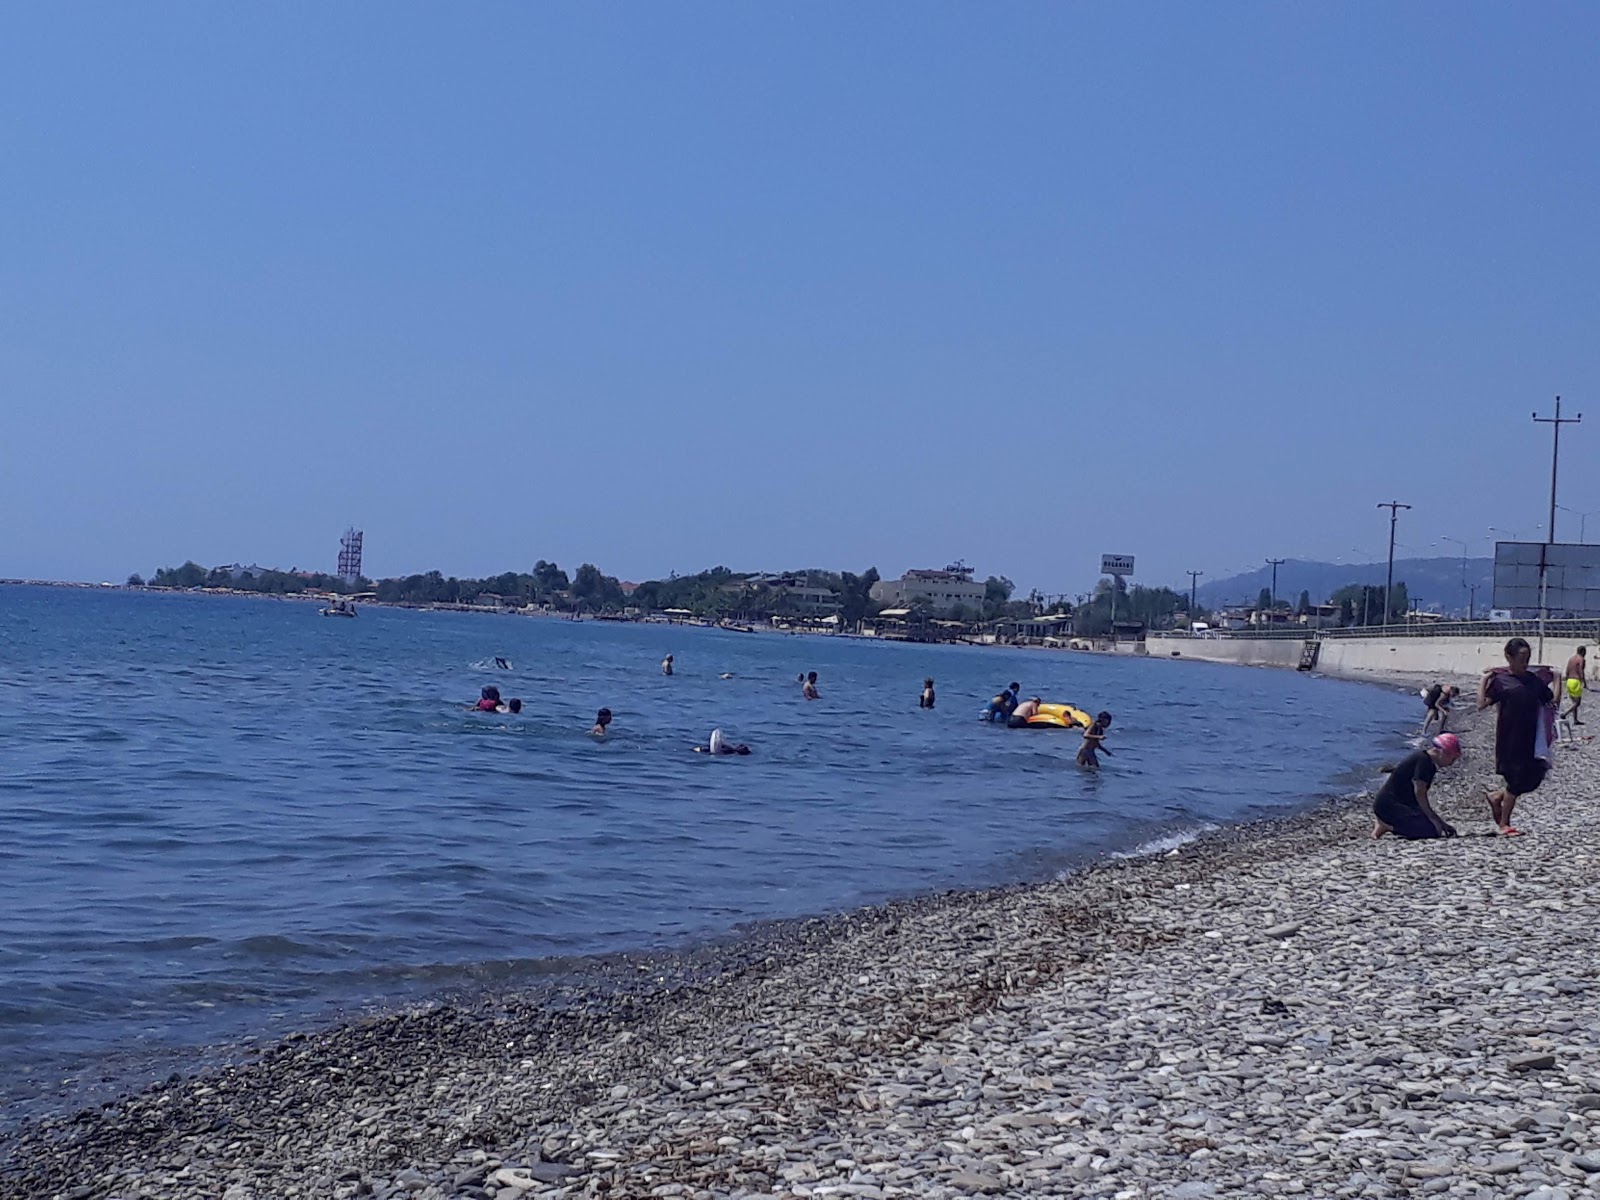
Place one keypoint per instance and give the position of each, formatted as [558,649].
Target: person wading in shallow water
[1520,697]
[1094,741]
[1401,805]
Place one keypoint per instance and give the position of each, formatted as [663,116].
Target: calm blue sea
[223,814]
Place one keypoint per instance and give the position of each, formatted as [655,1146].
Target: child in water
[488,701]
[601,720]
[927,693]
[1094,740]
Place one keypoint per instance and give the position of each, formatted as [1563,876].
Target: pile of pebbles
[1285,1009]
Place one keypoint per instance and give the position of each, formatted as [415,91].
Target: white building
[937,591]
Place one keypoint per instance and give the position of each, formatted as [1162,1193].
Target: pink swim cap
[1449,743]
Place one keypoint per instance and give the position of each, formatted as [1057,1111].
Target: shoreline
[1222,1016]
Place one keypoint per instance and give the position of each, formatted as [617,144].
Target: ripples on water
[219,809]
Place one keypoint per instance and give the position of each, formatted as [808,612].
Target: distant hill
[1436,581]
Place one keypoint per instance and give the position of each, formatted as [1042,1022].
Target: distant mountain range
[1437,582]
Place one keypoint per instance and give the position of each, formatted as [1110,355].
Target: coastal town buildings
[794,592]
[938,591]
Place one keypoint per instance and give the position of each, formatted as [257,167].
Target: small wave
[1166,843]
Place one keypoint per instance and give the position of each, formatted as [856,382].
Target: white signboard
[1571,576]
[1116,564]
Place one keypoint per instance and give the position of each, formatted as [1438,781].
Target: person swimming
[720,745]
[1001,707]
[1020,714]
[601,720]
[926,700]
[809,691]
[666,665]
[489,701]
[1093,740]
[512,705]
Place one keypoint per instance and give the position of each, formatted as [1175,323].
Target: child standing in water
[927,694]
[1094,741]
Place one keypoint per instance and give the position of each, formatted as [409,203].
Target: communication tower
[350,556]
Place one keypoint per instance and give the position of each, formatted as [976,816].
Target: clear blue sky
[770,285]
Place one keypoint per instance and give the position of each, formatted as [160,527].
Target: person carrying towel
[1521,696]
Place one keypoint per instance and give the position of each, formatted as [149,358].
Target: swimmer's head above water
[720,745]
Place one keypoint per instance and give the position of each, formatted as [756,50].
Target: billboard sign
[1116,564]
[1556,576]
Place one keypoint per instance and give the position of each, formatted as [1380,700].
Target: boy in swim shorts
[1094,740]
[1577,669]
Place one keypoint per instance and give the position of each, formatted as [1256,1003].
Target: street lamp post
[1463,543]
[1583,519]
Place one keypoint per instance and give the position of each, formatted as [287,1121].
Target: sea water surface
[224,813]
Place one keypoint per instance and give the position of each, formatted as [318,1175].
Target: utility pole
[1275,563]
[1555,423]
[1194,576]
[1394,507]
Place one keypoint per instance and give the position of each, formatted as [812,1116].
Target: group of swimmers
[1008,706]
[489,702]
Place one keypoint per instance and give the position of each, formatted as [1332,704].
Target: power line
[1275,563]
[1394,507]
[1555,423]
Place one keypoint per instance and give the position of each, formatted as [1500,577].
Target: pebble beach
[1277,1009]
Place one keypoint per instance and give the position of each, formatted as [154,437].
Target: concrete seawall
[1359,658]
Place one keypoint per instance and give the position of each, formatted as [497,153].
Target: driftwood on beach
[1287,1008]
